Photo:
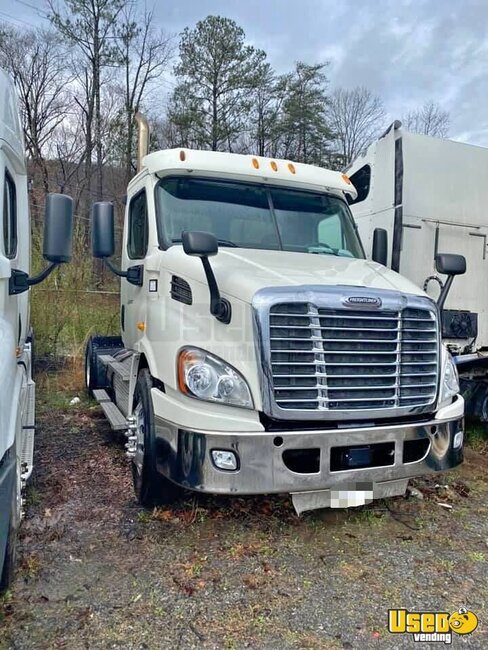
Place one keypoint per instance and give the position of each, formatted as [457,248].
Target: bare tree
[145,53]
[35,61]
[89,25]
[429,119]
[355,117]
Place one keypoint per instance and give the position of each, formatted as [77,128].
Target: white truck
[17,388]
[431,195]
[287,364]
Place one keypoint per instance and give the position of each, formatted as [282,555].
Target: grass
[477,436]
[77,300]
[63,320]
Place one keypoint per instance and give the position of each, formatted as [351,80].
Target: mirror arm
[115,270]
[219,307]
[444,291]
[43,274]
[134,274]
[20,280]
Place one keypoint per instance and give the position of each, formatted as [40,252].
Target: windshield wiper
[221,242]
[321,249]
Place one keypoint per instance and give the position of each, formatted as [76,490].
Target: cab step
[27,451]
[117,419]
[101,395]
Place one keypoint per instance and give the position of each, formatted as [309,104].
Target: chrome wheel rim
[139,432]
[87,371]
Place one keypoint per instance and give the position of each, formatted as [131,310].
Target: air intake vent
[181,290]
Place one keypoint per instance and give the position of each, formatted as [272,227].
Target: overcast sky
[406,51]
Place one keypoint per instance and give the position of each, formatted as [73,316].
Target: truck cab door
[133,304]
[11,254]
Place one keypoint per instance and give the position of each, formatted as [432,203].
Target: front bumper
[184,456]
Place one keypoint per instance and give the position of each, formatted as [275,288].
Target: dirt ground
[98,571]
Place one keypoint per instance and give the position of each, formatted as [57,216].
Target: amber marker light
[186,356]
[182,156]
[291,167]
[274,166]
[346,179]
[255,163]
[141,326]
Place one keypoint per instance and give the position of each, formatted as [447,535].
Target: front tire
[151,487]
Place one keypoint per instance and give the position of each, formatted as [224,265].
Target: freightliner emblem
[362,301]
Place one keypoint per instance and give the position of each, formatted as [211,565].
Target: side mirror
[58,228]
[380,246]
[203,245]
[450,264]
[57,246]
[199,244]
[103,242]
[103,231]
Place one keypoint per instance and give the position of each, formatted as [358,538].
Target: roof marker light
[291,167]
[182,156]
[255,163]
[346,179]
[274,166]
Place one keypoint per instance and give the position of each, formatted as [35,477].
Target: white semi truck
[17,388]
[431,195]
[261,352]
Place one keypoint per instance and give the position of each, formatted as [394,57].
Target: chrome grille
[352,360]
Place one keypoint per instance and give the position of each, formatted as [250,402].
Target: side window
[138,227]
[362,182]
[9,217]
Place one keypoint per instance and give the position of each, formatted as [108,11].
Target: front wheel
[150,486]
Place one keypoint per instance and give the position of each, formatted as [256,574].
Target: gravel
[98,571]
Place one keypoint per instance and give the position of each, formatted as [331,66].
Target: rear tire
[151,487]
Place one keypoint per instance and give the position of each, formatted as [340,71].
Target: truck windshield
[253,216]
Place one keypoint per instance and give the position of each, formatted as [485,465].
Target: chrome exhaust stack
[142,139]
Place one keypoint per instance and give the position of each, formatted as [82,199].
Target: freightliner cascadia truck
[260,350]
[17,387]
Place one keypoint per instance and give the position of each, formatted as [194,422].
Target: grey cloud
[407,51]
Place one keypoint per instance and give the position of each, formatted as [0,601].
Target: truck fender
[146,357]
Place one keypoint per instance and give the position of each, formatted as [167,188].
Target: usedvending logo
[432,626]
[363,301]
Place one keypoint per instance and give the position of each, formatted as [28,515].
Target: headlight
[207,377]
[449,378]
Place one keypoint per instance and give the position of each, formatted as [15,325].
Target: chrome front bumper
[184,456]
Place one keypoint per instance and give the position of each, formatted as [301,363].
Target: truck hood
[241,272]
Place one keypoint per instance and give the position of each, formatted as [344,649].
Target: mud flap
[347,496]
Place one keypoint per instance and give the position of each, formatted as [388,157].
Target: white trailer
[17,388]
[289,363]
[431,196]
